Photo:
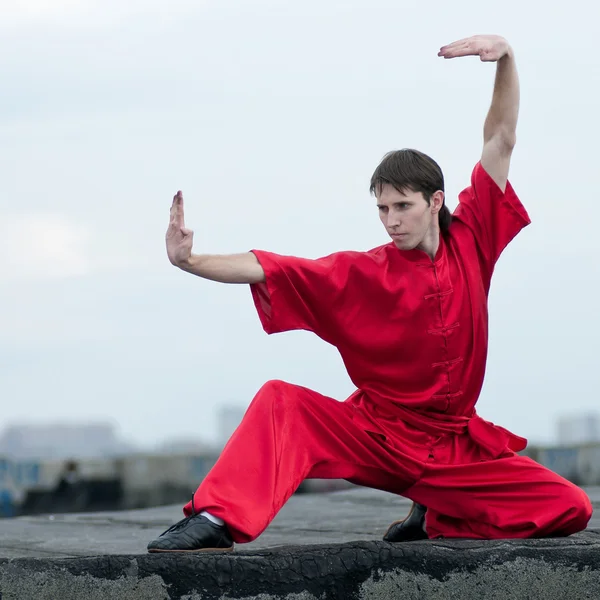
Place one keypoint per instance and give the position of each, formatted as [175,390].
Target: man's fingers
[460,51]
[465,47]
[459,42]
[180,209]
[176,212]
[487,47]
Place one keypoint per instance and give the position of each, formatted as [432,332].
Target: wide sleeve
[493,216]
[300,293]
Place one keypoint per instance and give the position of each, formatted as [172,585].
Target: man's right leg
[288,434]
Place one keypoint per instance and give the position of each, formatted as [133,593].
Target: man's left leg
[508,497]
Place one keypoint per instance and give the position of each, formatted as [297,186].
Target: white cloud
[41,247]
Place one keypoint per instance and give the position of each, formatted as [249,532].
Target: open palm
[489,48]
[179,239]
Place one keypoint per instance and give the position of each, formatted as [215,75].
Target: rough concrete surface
[322,546]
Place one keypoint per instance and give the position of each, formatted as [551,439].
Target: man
[410,321]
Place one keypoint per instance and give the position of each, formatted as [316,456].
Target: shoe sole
[157,550]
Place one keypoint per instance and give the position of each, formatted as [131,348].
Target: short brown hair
[409,169]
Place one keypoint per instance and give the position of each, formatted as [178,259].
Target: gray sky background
[271,117]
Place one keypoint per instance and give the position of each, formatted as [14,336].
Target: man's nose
[393,221]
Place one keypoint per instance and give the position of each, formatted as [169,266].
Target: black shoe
[409,529]
[193,534]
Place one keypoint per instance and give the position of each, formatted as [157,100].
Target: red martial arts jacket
[412,332]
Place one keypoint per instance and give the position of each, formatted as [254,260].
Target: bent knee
[275,390]
[278,392]
[287,398]
[584,509]
[275,386]
[579,509]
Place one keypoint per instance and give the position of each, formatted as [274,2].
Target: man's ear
[437,201]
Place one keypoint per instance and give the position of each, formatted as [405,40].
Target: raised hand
[179,239]
[489,48]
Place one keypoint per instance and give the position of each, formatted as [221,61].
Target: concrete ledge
[310,551]
[552,569]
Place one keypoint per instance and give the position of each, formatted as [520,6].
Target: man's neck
[431,242]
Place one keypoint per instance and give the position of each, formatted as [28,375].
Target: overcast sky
[271,117]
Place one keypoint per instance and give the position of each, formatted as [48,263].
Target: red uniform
[413,335]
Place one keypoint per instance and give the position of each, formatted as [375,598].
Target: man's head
[409,188]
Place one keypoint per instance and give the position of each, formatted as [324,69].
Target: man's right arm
[225,268]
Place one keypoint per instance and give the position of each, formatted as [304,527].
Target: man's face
[407,217]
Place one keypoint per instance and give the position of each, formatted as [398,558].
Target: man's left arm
[489,207]
[499,132]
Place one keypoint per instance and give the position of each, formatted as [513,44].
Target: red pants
[291,433]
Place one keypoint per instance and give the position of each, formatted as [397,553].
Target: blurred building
[578,428]
[59,440]
[189,446]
